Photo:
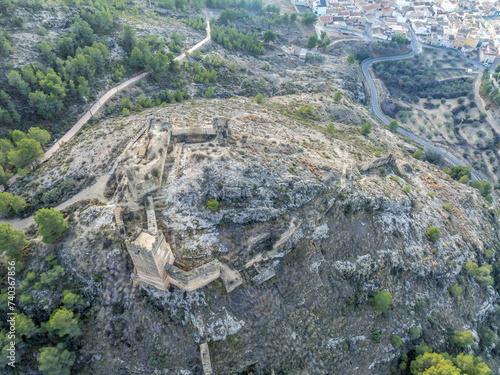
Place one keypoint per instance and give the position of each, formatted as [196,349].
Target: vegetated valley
[339,246]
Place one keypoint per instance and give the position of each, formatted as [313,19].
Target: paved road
[416,48]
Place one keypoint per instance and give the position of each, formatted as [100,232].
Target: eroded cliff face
[313,239]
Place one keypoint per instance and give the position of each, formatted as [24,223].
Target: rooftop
[145,239]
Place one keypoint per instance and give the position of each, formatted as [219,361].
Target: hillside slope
[292,200]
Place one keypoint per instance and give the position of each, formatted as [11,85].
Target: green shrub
[52,276]
[419,154]
[457,172]
[25,299]
[12,241]
[213,204]
[209,93]
[456,291]
[55,194]
[52,260]
[51,224]
[125,112]
[394,178]
[25,326]
[414,333]
[330,128]
[431,194]
[434,363]
[56,360]
[71,300]
[306,111]
[433,233]
[393,126]
[10,204]
[471,268]
[366,128]
[406,189]
[24,286]
[126,103]
[403,365]
[382,301]
[62,323]
[484,275]
[376,336]
[259,98]
[447,207]
[487,336]
[423,348]
[462,339]
[396,341]
[484,188]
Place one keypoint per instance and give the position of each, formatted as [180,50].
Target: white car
[486,64]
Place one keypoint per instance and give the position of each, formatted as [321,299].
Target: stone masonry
[150,252]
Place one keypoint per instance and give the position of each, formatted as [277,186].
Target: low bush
[213,204]
[433,233]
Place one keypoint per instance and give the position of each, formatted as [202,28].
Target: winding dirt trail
[103,99]
[96,191]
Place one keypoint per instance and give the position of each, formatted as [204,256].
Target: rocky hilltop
[315,221]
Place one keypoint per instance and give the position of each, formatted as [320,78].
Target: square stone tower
[150,253]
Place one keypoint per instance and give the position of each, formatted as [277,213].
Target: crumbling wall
[203,275]
[150,252]
[193,279]
[221,127]
[145,172]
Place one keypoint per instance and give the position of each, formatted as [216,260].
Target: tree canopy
[312,41]
[269,36]
[56,360]
[463,339]
[457,172]
[433,233]
[382,301]
[51,224]
[11,240]
[309,19]
[444,364]
[393,126]
[10,204]
[25,326]
[28,151]
[63,323]
[366,128]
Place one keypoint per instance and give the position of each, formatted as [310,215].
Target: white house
[487,54]
[401,19]
[319,7]
[448,5]
[402,3]
[420,29]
